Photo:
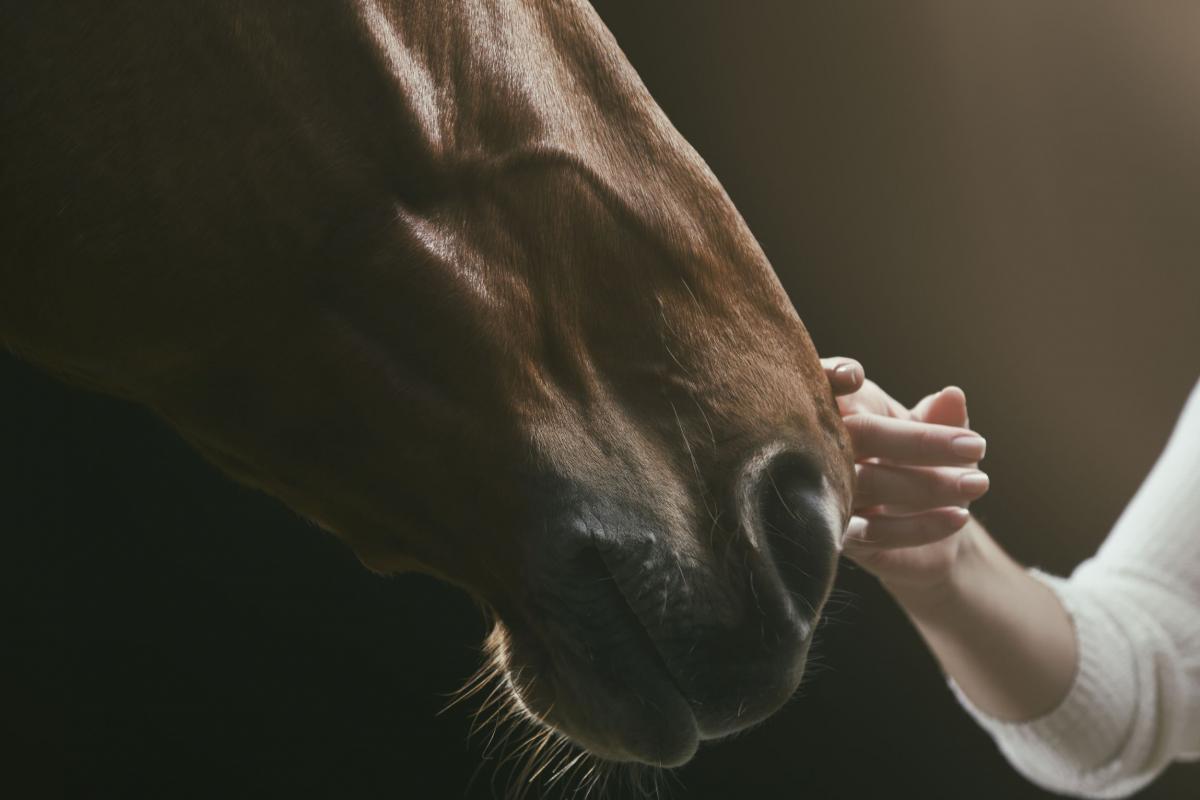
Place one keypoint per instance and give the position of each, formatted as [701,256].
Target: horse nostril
[796,528]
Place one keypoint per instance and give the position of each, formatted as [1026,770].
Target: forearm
[1001,634]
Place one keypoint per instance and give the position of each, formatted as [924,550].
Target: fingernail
[856,528]
[969,447]
[848,372]
[973,484]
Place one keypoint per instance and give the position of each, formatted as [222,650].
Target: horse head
[444,279]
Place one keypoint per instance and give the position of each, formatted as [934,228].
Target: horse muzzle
[638,641]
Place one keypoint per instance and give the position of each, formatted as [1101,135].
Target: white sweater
[1135,703]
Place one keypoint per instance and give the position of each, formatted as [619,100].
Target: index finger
[910,442]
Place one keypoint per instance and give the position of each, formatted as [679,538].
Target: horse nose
[788,515]
[797,519]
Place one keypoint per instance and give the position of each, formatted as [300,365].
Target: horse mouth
[591,670]
[623,673]
[641,633]
[652,659]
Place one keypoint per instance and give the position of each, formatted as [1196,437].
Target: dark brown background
[1003,195]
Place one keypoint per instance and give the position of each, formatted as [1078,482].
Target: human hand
[916,476]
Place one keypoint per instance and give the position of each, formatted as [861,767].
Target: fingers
[883,532]
[845,375]
[915,473]
[911,442]
[916,488]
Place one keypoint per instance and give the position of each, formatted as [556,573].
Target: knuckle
[929,442]
[859,421]
[861,428]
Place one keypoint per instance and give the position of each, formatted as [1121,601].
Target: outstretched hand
[916,476]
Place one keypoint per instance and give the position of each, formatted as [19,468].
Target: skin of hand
[916,476]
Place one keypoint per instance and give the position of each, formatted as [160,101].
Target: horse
[444,279]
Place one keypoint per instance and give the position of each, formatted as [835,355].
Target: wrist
[1002,636]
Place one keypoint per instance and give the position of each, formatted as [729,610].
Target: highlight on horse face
[480,311]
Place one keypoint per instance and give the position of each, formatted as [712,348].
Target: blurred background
[1001,195]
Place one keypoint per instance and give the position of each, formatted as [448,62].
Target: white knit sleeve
[1134,705]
